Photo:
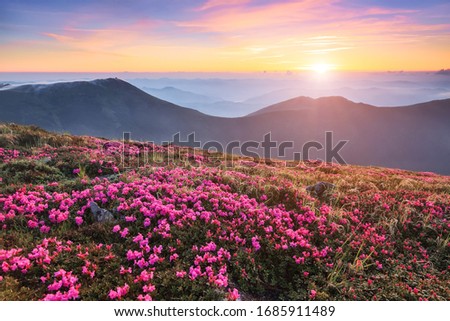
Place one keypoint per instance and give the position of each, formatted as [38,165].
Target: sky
[223,35]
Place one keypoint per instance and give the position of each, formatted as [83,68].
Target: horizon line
[235,72]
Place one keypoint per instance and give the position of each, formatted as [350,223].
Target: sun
[320,68]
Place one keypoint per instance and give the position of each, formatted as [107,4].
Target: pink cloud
[239,18]
[387,11]
[105,38]
[294,18]
[220,3]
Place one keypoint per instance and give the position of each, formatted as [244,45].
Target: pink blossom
[148,288]
[138,238]
[181,274]
[78,220]
[112,294]
[255,243]
[45,229]
[119,292]
[125,271]
[233,295]
[124,232]
[194,272]
[325,209]
[32,224]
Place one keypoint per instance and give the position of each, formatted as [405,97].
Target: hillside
[104,107]
[412,137]
[189,225]
[307,103]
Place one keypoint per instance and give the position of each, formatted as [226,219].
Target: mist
[239,94]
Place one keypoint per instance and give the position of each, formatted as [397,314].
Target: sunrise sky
[224,35]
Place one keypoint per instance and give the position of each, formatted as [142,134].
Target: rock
[100,214]
[320,188]
[46,160]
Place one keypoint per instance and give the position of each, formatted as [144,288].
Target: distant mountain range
[445,72]
[384,94]
[205,104]
[413,137]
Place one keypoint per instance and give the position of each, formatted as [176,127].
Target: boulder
[100,214]
[320,188]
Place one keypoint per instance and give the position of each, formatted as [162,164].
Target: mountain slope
[302,103]
[183,229]
[104,107]
[413,137]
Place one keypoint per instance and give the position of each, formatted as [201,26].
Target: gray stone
[320,188]
[46,160]
[100,214]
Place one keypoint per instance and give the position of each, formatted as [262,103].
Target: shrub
[27,171]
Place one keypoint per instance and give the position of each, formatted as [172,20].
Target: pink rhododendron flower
[113,294]
[124,232]
[45,229]
[78,220]
[255,243]
[32,224]
[233,295]
[181,274]
[119,292]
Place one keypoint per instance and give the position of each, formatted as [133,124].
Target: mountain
[274,97]
[205,104]
[178,96]
[445,72]
[304,103]
[413,137]
[105,107]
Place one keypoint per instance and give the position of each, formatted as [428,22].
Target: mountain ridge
[415,137]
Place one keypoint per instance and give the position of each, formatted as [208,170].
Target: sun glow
[321,68]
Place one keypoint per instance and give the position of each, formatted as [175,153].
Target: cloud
[210,4]
[226,33]
[105,39]
[387,11]
[326,50]
[235,19]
